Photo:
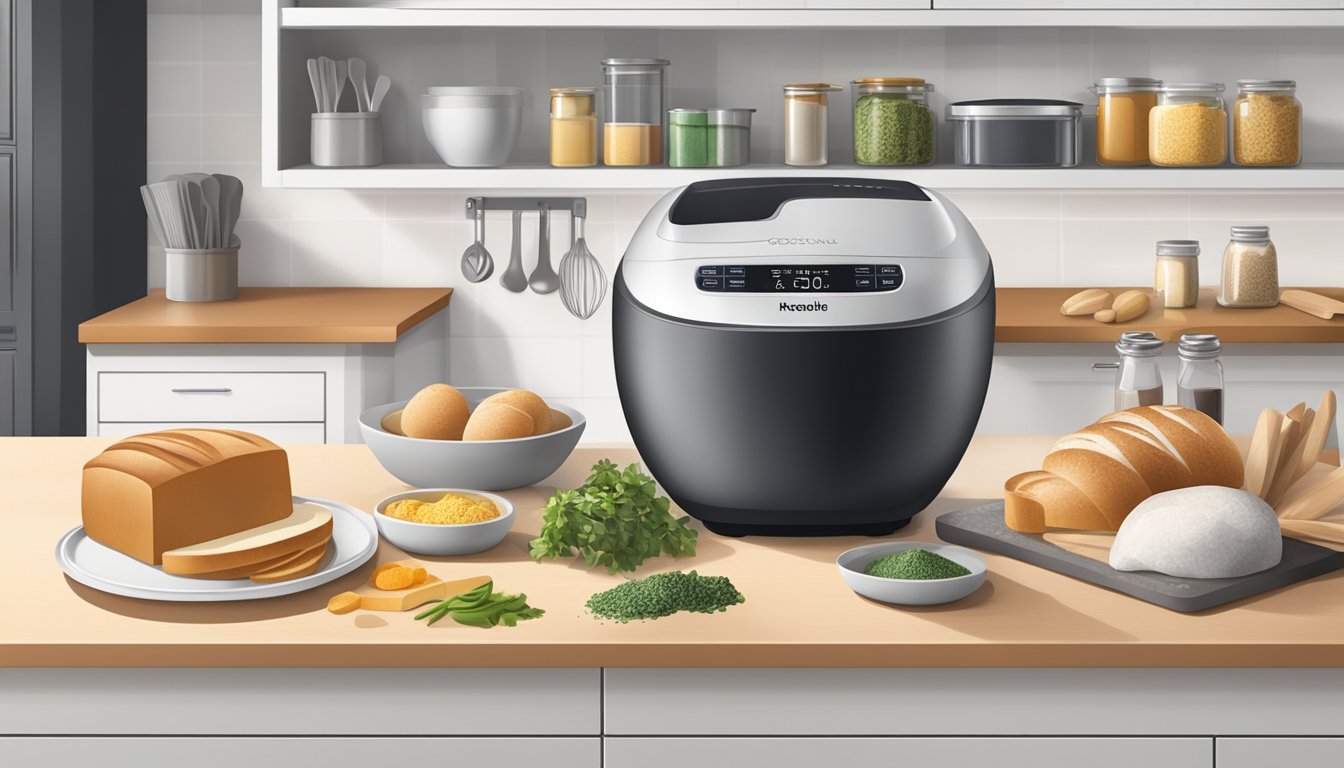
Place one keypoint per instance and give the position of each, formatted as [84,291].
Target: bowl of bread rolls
[488,438]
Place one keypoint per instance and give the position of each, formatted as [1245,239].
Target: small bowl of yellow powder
[444,521]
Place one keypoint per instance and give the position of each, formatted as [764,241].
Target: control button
[866,269]
[737,283]
[709,271]
[738,271]
[888,283]
[710,283]
[893,269]
[863,283]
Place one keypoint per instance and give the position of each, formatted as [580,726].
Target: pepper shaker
[1199,382]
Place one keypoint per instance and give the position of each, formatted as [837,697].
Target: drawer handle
[202,390]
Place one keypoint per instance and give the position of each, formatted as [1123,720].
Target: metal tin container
[730,136]
[346,139]
[196,274]
[708,138]
[1015,132]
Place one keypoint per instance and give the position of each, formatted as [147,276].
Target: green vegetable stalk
[615,520]
[482,607]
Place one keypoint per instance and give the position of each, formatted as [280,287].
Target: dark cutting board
[982,527]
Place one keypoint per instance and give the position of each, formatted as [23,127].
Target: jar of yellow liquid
[1123,104]
[573,127]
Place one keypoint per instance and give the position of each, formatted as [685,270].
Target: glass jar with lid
[893,124]
[1199,380]
[573,127]
[1188,127]
[1123,104]
[806,110]
[1138,380]
[1176,277]
[1250,269]
[636,91]
[1266,123]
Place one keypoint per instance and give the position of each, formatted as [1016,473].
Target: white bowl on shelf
[472,127]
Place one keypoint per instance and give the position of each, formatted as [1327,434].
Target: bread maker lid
[804,253]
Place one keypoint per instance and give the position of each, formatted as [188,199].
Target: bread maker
[803,356]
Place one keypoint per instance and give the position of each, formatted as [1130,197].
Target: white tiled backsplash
[204,105]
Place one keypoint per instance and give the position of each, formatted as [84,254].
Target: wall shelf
[1317,177]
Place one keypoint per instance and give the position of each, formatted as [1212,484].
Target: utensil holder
[194,274]
[347,139]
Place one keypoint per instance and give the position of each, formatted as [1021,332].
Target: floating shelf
[1320,176]
[774,18]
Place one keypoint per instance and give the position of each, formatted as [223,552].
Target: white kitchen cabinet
[289,393]
[353,752]
[1001,752]
[1295,752]
[1134,5]
[1051,389]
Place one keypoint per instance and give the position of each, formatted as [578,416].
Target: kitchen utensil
[476,262]
[434,588]
[1314,442]
[1319,498]
[490,465]
[1263,456]
[342,73]
[380,89]
[329,72]
[155,218]
[230,206]
[354,539]
[193,208]
[210,201]
[315,79]
[472,127]
[1290,456]
[324,80]
[514,278]
[543,278]
[910,591]
[982,527]
[444,540]
[1312,303]
[167,201]
[583,284]
[359,81]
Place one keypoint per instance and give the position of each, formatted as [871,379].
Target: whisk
[583,284]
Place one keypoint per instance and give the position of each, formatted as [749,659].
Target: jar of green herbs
[688,138]
[893,123]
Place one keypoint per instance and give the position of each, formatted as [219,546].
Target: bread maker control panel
[799,278]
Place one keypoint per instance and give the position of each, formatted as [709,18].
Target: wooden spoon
[1290,457]
[1312,303]
[1263,455]
[1314,442]
[1319,499]
[1314,529]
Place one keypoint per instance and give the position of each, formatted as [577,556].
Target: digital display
[799,278]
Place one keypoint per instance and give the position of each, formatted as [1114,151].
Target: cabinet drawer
[1296,752]
[999,752]
[355,752]
[278,432]
[217,396]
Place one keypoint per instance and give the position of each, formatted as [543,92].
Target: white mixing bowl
[472,127]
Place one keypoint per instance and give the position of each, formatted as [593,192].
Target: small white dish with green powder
[912,572]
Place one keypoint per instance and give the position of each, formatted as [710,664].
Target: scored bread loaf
[155,492]
[1093,478]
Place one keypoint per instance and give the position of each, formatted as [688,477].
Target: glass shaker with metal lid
[1199,382]
[1138,381]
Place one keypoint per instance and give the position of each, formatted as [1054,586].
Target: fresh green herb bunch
[483,607]
[915,564]
[664,594]
[616,520]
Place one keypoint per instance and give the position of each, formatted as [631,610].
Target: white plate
[354,539]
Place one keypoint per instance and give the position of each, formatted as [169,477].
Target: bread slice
[1034,501]
[243,571]
[307,526]
[307,562]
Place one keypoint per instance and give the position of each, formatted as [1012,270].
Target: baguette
[1093,478]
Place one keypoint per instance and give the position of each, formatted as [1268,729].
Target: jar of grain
[1123,104]
[573,127]
[1176,278]
[636,91]
[806,108]
[1250,270]
[1188,127]
[893,124]
[1266,123]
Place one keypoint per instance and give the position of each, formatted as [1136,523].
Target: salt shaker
[1199,381]
[1138,381]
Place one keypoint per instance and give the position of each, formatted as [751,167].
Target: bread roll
[559,420]
[1093,478]
[160,491]
[437,412]
[498,421]
[527,402]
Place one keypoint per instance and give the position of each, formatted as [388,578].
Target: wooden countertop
[270,316]
[798,612]
[1032,315]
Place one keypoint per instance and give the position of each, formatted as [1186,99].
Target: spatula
[1263,456]
[1314,442]
[1312,303]
[1290,455]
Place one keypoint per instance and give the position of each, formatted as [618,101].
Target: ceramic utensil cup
[201,274]
[347,139]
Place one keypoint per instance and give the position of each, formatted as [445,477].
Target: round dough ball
[1205,532]
[559,421]
[498,421]
[437,412]
[527,402]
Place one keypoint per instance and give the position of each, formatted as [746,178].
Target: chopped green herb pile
[915,564]
[616,520]
[483,607]
[664,594]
